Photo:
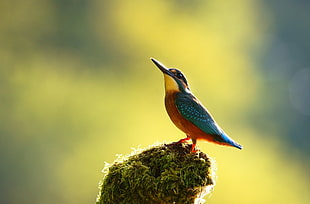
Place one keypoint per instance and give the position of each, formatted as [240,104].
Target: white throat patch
[170,83]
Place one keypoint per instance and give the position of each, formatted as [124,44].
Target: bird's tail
[226,140]
[235,144]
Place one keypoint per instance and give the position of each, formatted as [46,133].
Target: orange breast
[186,126]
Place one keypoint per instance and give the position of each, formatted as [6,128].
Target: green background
[77,87]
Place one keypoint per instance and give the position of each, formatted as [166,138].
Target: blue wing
[191,109]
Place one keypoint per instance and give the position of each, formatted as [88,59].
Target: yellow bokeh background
[78,87]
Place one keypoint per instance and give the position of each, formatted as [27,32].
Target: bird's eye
[179,75]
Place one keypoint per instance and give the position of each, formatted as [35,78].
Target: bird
[187,112]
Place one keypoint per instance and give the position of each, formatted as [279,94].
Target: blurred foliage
[77,87]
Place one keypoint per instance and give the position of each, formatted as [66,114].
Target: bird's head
[174,78]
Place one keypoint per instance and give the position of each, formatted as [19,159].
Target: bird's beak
[162,67]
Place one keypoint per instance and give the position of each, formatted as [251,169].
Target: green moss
[160,174]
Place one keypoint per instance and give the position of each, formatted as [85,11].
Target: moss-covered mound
[161,174]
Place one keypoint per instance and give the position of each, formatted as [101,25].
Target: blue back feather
[194,112]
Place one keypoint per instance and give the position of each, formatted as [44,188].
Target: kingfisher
[188,113]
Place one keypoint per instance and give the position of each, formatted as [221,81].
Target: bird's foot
[183,140]
[193,149]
